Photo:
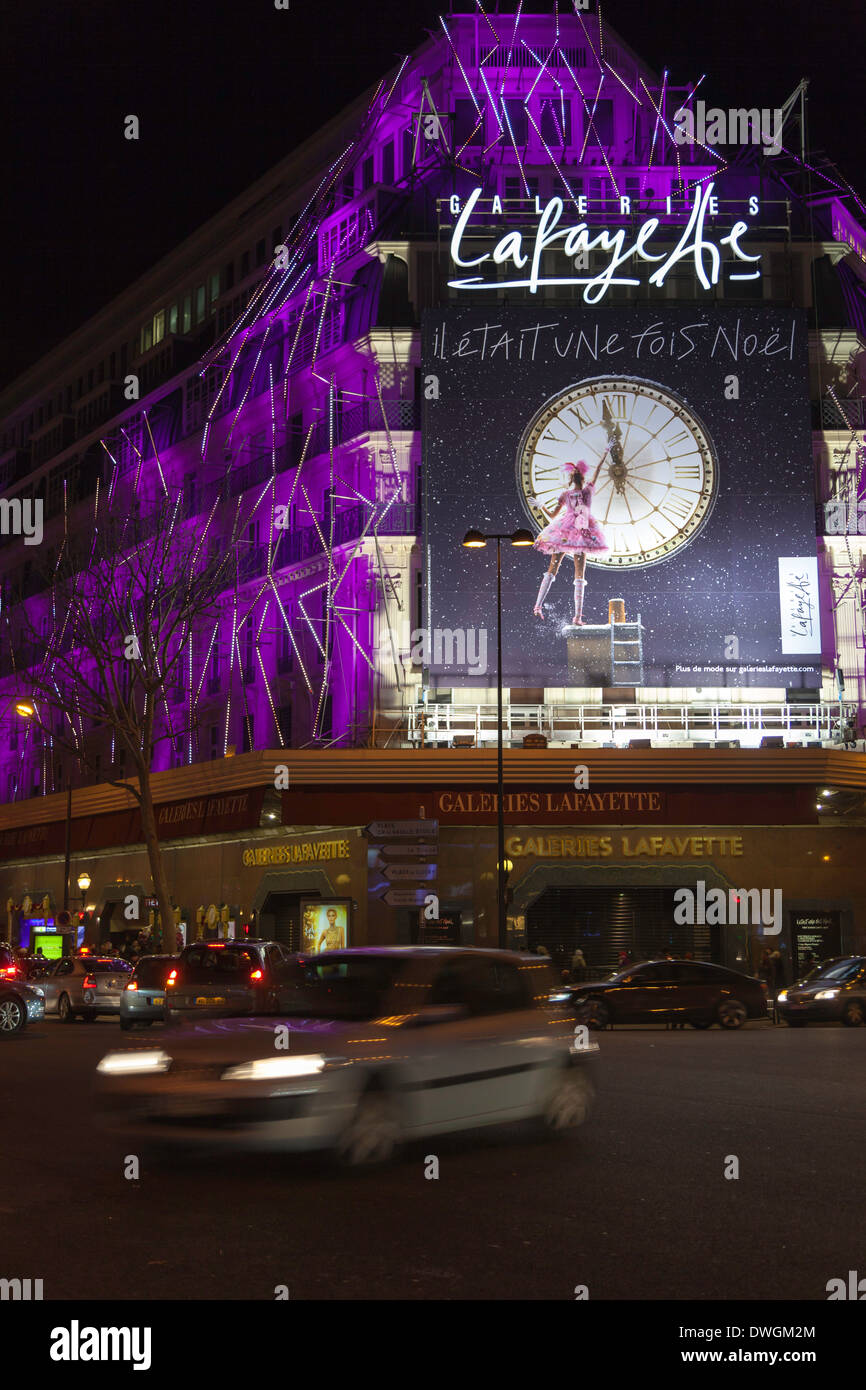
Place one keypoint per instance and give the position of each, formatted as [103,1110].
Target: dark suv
[226,977]
[671,991]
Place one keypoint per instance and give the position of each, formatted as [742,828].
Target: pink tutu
[575,530]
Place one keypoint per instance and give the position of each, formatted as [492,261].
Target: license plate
[157,999]
[203,1003]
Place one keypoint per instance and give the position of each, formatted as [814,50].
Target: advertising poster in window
[324,925]
[660,459]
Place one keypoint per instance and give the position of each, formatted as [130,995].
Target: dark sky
[224,88]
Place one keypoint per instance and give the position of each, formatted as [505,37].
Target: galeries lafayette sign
[625,250]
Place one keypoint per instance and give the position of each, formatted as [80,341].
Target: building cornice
[458,767]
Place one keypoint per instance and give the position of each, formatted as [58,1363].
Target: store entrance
[604,920]
[280,919]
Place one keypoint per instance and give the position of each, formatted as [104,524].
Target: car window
[647,973]
[152,972]
[841,970]
[692,972]
[64,967]
[481,986]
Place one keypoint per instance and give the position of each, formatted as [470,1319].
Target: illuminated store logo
[579,240]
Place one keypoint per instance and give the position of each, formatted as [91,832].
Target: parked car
[665,991]
[143,997]
[85,986]
[20,1004]
[387,1044]
[833,990]
[224,978]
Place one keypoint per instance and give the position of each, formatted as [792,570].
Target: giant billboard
[661,461]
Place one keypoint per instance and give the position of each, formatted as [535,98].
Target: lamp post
[27,709]
[477,540]
[83,885]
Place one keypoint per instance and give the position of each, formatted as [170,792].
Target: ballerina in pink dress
[574,531]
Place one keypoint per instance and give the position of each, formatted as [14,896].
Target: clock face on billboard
[659,474]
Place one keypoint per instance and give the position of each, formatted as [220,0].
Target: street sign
[409,871]
[413,851]
[405,897]
[390,829]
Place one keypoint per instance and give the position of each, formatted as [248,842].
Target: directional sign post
[393,829]
[405,897]
[411,851]
[402,872]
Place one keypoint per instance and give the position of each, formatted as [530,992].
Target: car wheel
[65,1012]
[569,1101]
[796,1022]
[13,1016]
[732,1014]
[701,1022]
[853,1014]
[372,1134]
[593,1013]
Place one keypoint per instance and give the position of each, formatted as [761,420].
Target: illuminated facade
[273,364]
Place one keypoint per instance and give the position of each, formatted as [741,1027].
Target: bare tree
[121,623]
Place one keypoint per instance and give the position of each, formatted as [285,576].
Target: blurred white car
[381,1045]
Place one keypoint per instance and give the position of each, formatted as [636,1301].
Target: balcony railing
[367,418]
[610,725]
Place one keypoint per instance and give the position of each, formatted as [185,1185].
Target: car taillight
[89,982]
[132,985]
[9,972]
[171,978]
[764,986]
[256,975]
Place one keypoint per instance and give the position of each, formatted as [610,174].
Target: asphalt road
[636,1205]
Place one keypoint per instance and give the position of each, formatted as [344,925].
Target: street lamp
[477,540]
[83,885]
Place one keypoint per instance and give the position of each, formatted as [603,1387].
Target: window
[388,163]
[367,173]
[229,275]
[245,265]
[187,313]
[172,319]
[601,130]
[466,118]
[146,341]
[260,252]
[517,119]
[200,304]
[555,123]
[276,238]
[158,327]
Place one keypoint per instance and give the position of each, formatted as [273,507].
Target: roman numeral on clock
[679,438]
[618,406]
[687,472]
[678,507]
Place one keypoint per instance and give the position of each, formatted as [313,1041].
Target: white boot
[546,582]
[579,586]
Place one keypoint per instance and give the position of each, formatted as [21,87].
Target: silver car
[143,997]
[382,1045]
[85,986]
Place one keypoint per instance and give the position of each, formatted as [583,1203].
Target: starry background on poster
[725,582]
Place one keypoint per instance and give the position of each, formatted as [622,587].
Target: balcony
[615,726]
[367,418]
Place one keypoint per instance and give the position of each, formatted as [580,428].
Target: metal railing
[609,723]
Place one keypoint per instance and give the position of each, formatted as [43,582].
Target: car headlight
[133,1063]
[558,998]
[276,1068]
[781,996]
[826,994]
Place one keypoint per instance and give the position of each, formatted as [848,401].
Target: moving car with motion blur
[20,1004]
[383,1045]
[85,987]
[143,997]
[835,990]
[224,978]
[671,991]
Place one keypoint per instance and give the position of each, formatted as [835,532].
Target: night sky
[224,90]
